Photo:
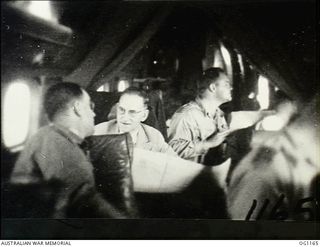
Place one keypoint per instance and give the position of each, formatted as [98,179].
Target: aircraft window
[252,95]
[225,55]
[100,89]
[104,88]
[122,85]
[240,61]
[42,9]
[263,92]
[16,114]
[218,59]
[227,61]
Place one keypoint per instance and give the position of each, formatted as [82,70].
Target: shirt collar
[67,133]
[207,112]
[134,135]
[139,136]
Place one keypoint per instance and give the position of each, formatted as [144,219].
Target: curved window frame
[30,107]
[16,114]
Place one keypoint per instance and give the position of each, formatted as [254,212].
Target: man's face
[223,88]
[131,111]
[88,114]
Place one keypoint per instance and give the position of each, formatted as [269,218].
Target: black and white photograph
[160,120]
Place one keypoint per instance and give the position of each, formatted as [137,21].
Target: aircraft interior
[268,50]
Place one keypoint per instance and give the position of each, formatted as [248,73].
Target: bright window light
[225,55]
[218,59]
[251,95]
[43,10]
[263,92]
[100,89]
[38,59]
[16,114]
[227,61]
[123,84]
[104,88]
[240,60]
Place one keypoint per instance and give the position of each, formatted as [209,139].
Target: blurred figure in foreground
[276,180]
[285,110]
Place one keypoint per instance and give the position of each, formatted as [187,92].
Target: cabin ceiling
[278,37]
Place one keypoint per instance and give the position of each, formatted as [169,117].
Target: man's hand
[217,138]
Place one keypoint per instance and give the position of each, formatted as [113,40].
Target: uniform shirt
[191,124]
[53,154]
[145,137]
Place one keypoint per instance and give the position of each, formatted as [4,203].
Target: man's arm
[156,142]
[162,146]
[184,136]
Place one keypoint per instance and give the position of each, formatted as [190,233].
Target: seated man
[198,129]
[131,111]
[200,125]
[53,155]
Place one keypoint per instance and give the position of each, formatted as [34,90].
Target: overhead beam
[110,71]
[118,26]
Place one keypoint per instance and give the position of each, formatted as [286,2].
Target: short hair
[208,76]
[139,92]
[58,96]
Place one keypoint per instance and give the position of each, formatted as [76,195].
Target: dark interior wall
[179,48]
[291,28]
[88,20]
[278,38]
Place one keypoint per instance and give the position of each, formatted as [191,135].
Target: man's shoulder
[191,107]
[189,111]
[151,131]
[105,128]
[45,132]
[46,138]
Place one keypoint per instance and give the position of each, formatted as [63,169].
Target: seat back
[111,156]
